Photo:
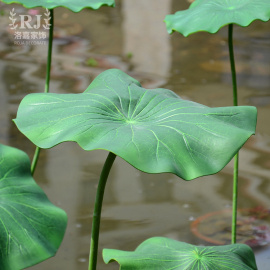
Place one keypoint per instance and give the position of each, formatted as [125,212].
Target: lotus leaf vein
[211,15]
[164,253]
[31,227]
[154,130]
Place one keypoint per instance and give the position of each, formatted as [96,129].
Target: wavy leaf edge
[94,7]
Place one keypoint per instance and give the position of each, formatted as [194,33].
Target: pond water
[133,37]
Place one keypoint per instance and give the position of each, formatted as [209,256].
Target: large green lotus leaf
[211,15]
[154,130]
[31,227]
[74,5]
[159,253]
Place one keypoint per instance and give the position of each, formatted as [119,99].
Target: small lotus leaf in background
[31,227]
[154,130]
[74,5]
[163,253]
[211,15]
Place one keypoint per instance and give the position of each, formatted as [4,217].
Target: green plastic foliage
[31,227]
[154,130]
[161,253]
[211,15]
[74,5]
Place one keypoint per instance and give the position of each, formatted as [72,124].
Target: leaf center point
[130,121]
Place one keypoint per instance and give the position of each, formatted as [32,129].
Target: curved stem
[97,211]
[47,83]
[236,158]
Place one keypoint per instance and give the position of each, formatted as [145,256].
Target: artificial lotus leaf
[31,227]
[159,253]
[74,5]
[211,15]
[154,130]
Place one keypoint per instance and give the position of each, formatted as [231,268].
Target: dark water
[138,205]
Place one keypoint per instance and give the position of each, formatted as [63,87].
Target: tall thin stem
[235,100]
[97,211]
[47,83]
[236,158]
[235,197]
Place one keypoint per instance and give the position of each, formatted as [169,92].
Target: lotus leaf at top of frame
[154,130]
[211,15]
[164,253]
[31,227]
[74,5]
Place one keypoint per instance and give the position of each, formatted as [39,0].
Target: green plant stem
[97,211]
[34,161]
[236,158]
[235,99]
[235,197]
[47,83]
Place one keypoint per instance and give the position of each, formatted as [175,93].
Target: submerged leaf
[154,130]
[211,15]
[74,5]
[31,227]
[160,253]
